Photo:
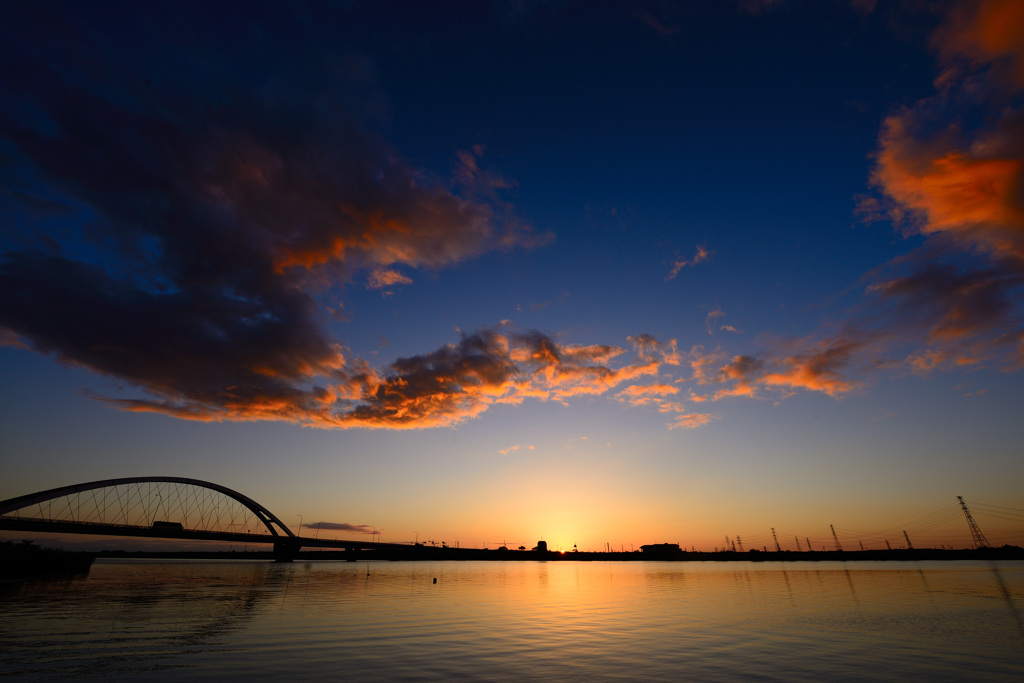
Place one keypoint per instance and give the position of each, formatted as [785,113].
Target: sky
[496,272]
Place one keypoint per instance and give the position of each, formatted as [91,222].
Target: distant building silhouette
[661,548]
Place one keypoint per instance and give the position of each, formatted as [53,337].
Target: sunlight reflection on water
[523,620]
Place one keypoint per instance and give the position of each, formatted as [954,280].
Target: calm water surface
[700,621]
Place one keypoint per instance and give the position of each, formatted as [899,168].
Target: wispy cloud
[700,255]
[513,449]
[807,365]
[658,24]
[383,278]
[691,421]
[712,321]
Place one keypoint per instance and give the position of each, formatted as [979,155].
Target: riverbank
[26,560]
[422,553]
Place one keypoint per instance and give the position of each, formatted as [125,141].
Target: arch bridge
[158,507]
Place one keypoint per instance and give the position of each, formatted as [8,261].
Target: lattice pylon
[979,538]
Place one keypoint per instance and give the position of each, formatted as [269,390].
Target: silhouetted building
[542,546]
[661,548]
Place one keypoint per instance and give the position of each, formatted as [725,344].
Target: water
[524,621]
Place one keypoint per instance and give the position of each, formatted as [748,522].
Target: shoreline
[414,554]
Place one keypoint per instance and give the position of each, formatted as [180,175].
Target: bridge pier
[286,550]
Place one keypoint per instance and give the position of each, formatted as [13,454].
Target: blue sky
[591,272]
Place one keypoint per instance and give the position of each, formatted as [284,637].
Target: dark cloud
[441,388]
[206,210]
[340,526]
[951,303]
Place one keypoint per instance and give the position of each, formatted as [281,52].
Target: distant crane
[835,538]
[979,538]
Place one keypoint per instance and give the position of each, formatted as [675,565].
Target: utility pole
[839,547]
[979,538]
[777,548]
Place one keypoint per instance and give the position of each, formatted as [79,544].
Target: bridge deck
[9,523]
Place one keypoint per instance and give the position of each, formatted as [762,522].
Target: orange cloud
[443,388]
[649,394]
[381,278]
[513,449]
[460,381]
[742,371]
[639,391]
[648,348]
[691,421]
[969,194]
[941,177]
[655,395]
[817,371]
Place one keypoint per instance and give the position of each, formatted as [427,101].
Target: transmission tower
[809,548]
[979,538]
[776,538]
[835,538]
[798,549]
[887,546]
[910,546]
[739,542]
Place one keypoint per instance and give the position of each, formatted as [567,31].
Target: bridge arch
[101,508]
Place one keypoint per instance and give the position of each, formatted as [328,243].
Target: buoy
[435,579]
